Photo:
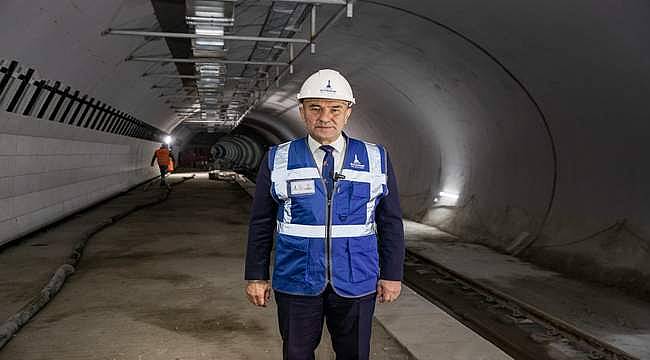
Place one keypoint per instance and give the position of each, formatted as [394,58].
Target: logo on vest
[356,163]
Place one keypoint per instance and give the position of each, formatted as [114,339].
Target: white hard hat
[326,84]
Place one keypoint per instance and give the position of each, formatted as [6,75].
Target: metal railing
[22,93]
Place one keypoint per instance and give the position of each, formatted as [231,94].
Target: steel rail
[600,349]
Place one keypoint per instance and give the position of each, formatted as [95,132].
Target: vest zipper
[328,241]
[328,232]
[329,207]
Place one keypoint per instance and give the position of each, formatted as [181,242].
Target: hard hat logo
[326,84]
[328,89]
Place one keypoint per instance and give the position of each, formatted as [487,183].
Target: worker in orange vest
[165,159]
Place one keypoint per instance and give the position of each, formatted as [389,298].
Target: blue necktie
[328,169]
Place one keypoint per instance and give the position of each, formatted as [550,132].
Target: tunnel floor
[602,312]
[163,283]
[166,283]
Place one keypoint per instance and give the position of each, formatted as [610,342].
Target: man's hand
[388,290]
[258,292]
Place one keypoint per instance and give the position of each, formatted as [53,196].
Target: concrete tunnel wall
[49,170]
[62,41]
[535,113]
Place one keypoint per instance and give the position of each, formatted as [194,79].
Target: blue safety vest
[317,242]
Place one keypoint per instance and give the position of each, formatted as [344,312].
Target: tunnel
[517,126]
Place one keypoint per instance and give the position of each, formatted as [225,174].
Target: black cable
[618,226]
[12,325]
[644,243]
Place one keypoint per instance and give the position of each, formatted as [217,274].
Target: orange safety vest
[162,155]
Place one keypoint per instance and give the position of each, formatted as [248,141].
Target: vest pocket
[364,260]
[291,257]
[359,198]
[361,190]
[353,208]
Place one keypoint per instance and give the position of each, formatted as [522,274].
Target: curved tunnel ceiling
[62,41]
[534,113]
[451,117]
[512,107]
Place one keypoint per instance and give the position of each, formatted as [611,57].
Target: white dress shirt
[338,153]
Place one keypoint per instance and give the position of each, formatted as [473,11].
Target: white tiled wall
[50,170]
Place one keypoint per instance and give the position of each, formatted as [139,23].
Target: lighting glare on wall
[449,195]
[168,139]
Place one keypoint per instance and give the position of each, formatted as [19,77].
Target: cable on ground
[11,326]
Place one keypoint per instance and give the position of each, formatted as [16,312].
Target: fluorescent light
[209,14]
[209,31]
[200,42]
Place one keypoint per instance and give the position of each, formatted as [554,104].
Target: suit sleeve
[390,229]
[261,226]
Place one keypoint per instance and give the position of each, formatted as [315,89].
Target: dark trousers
[349,322]
[163,172]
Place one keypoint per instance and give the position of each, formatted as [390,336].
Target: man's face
[325,119]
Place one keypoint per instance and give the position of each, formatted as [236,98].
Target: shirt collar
[338,144]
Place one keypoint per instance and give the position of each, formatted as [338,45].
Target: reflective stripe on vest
[318,231]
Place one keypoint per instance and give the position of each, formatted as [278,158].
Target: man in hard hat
[164,157]
[333,202]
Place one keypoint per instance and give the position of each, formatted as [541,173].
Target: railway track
[521,330]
